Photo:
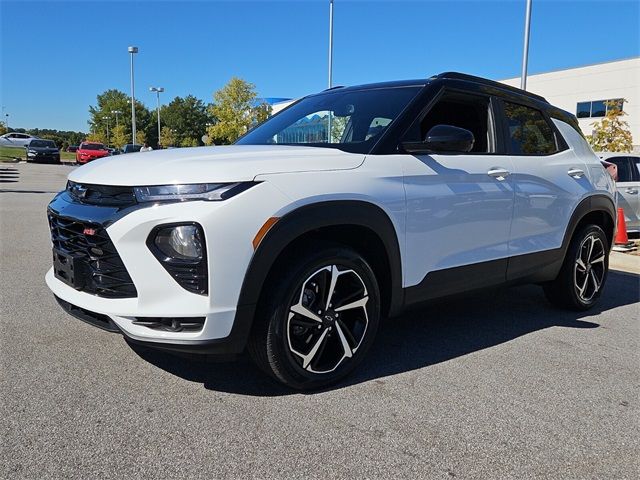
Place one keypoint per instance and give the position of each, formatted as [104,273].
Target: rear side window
[529,133]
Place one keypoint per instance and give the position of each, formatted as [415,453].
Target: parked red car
[88,151]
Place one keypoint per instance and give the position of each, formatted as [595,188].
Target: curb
[624,263]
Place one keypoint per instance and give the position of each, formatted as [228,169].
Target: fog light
[182,242]
[182,251]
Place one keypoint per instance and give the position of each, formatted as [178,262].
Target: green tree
[189,142]
[3,128]
[97,137]
[187,117]
[167,137]
[115,100]
[235,111]
[119,136]
[141,137]
[611,134]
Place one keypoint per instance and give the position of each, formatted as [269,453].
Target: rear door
[549,179]
[628,186]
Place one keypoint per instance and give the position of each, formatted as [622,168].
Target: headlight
[197,191]
[31,152]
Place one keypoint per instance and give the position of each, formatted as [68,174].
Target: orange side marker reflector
[263,231]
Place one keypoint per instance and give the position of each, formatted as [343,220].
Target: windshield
[92,146]
[356,119]
[42,143]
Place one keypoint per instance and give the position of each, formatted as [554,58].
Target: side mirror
[443,138]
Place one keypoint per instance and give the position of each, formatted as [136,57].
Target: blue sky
[57,56]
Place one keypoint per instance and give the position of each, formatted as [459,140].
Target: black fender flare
[316,216]
[303,220]
[593,203]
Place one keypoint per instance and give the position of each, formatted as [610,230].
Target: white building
[583,90]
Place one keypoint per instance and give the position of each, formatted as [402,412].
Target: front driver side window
[462,110]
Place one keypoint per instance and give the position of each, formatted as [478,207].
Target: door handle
[499,173]
[575,173]
[631,191]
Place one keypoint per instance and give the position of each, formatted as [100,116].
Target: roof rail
[491,83]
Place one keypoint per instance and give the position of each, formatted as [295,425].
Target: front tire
[317,318]
[584,271]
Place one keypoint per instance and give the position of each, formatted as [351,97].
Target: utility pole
[116,113]
[158,91]
[330,65]
[107,119]
[525,50]
[132,51]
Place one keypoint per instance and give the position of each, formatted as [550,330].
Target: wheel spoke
[357,304]
[581,266]
[343,340]
[306,359]
[596,284]
[593,242]
[598,260]
[332,285]
[305,312]
[584,286]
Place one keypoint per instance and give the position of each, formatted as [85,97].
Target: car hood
[234,163]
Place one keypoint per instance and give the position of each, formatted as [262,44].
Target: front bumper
[233,344]
[44,157]
[228,226]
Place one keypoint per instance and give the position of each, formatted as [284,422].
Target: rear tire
[317,318]
[582,277]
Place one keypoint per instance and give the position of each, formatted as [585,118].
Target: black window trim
[635,161]
[495,142]
[560,142]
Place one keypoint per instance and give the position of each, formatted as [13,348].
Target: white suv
[348,206]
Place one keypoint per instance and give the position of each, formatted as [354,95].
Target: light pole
[132,52]
[525,50]
[107,119]
[116,113]
[330,42]
[330,64]
[158,91]
[6,123]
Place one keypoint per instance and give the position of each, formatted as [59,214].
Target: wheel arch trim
[307,218]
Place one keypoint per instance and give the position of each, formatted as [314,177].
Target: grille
[105,275]
[106,195]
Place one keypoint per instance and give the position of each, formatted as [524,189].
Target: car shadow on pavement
[436,333]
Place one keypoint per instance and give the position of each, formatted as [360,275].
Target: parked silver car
[16,139]
[628,185]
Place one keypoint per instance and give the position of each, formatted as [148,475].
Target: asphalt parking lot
[496,385]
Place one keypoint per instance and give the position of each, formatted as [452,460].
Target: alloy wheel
[589,269]
[329,319]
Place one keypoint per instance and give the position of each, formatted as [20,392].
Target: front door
[459,205]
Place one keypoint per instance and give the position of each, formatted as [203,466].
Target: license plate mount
[69,268]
